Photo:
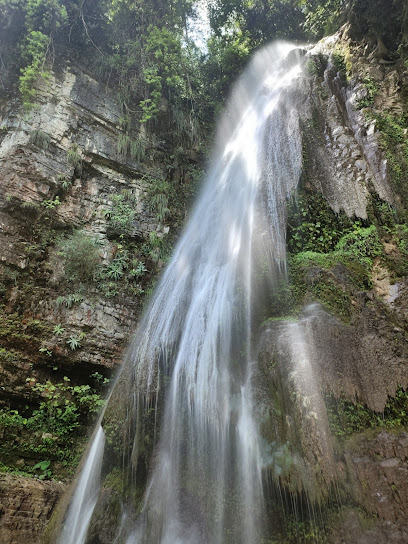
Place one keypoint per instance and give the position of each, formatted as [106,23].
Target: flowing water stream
[194,344]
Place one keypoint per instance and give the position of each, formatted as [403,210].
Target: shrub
[81,257]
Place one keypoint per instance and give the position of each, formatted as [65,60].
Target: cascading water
[193,348]
[86,494]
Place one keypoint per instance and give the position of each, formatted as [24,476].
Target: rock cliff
[68,310]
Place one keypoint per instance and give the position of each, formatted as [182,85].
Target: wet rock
[26,505]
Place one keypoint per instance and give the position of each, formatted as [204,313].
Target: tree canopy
[142,47]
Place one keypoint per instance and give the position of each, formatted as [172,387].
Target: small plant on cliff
[80,256]
[51,204]
[138,268]
[158,191]
[58,330]
[347,418]
[371,92]
[74,157]
[44,468]
[68,301]
[116,269]
[63,181]
[122,213]
[50,432]
[40,138]
[74,342]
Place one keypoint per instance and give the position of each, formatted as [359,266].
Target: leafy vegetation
[121,213]
[68,301]
[158,197]
[312,224]
[80,255]
[371,92]
[347,418]
[313,272]
[394,141]
[51,431]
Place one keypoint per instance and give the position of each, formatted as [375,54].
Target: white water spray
[85,496]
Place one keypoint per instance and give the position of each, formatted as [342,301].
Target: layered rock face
[25,507]
[77,116]
[61,173]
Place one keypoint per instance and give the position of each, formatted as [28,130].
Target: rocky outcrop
[25,507]
[343,148]
[61,168]
[378,467]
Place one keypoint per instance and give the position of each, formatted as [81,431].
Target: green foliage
[122,213]
[158,191]
[58,330]
[371,90]
[116,269]
[165,70]
[123,144]
[123,273]
[312,224]
[341,62]
[394,142]
[63,181]
[51,204]
[138,268]
[43,467]
[322,17]
[52,430]
[74,157]
[329,255]
[74,342]
[362,244]
[402,239]
[68,301]
[154,248]
[80,257]
[347,418]
[151,106]
[312,273]
[40,139]
[42,18]
[135,148]
[35,51]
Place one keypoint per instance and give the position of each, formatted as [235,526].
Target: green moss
[331,277]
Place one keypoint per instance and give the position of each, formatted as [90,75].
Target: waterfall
[85,496]
[192,357]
